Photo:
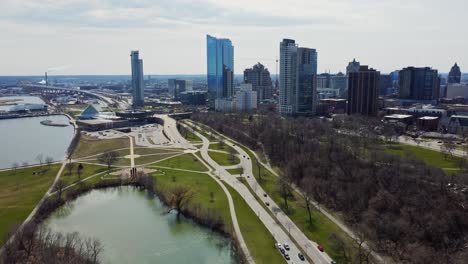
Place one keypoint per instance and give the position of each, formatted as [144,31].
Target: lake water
[22,139]
[135,228]
[21,100]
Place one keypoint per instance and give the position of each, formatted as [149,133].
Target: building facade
[137,79]
[246,98]
[385,84]
[419,84]
[259,77]
[455,74]
[363,91]
[178,86]
[220,68]
[298,73]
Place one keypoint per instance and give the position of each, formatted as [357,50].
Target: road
[170,129]
[434,145]
[306,246]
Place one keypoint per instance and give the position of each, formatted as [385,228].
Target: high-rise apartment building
[259,77]
[455,74]
[298,73]
[246,98]
[220,68]
[419,84]
[137,79]
[338,82]
[385,84]
[363,91]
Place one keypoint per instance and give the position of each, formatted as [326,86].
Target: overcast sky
[96,36]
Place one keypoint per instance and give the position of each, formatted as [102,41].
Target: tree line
[404,207]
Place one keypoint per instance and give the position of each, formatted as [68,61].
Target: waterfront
[23,139]
[14,100]
[135,228]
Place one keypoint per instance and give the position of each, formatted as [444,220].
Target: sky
[96,36]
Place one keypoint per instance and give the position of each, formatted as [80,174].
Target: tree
[79,170]
[15,166]
[49,161]
[40,158]
[447,147]
[58,187]
[180,197]
[69,167]
[232,154]
[211,197]
[221,143]
[108,158]
[284,189]
[306,193]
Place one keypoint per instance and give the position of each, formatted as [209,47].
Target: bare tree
[232,154]
[180,198]
[447,147]
[15,166]
[58,187]
[79,170]
[108,158]
[285,189]
[69,167]
[40,158]
[306,193]
[221,143]
[49,161]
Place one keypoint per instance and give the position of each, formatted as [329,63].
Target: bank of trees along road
[402,206]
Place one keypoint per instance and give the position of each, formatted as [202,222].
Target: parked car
[282,250]
[320,247]
[333,262]
[267,203]
[286,256]
[300,256]
[278,245]
[286,246]
[264,195]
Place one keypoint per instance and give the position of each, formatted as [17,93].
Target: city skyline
[390,35]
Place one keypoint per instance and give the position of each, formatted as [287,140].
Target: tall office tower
[220,69]
[352,67]
[259,77]
[419,84]
[137,79]
[178,86]
[363,91]
[455,74]
[385,84]
[298,83]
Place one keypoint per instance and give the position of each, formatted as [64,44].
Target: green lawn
[185,161]
[20,192]
[202,184]
[223,147]
[145,151]
[223,159]
[257,237]
[431,157]
[142,160]
[88,170]
[236,171]
[190,136]
[89,146]
[320,230]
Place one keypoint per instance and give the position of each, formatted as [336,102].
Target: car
[282,250]
[439,142]
[286,246]
[333,262]
[278,245]
[320,247]
[300,256]
[264,195]
[286,256]
[267,203]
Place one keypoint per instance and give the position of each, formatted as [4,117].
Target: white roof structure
[90,112]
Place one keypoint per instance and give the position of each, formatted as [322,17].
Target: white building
[324,93]
[457,90]
[245,99]
[224,105]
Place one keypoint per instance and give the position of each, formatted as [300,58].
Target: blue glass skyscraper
[137,78]
[220,68]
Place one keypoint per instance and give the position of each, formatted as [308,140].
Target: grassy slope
[185,161]
[146,151]
[88,170]
[431,157]
[20,192]
[88,146]
[225,147]
[223,159]
[152,158]
[202,184]
[236,171]
[257,237]
[192,137]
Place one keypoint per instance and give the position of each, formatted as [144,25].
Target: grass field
[236,171]
[89,146]
[146,151]
[258,239]
[185,161]
[202,184]
[431,157]
[142,160]
[223,159]
[20,192]
[223,147]
[88,170]
[321,228]
[190,136]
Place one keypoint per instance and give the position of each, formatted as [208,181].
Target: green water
[135,228]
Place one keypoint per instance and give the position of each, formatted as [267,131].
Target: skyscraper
[220,68]
[419,84]
[363,91]
[455,74]
[353,67]
[178,86]
[298,73]
[137,79]
[259,77]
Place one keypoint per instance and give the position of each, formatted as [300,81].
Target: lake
[23,139]
[136,228]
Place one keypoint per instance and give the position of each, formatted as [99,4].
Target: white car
[286,246]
